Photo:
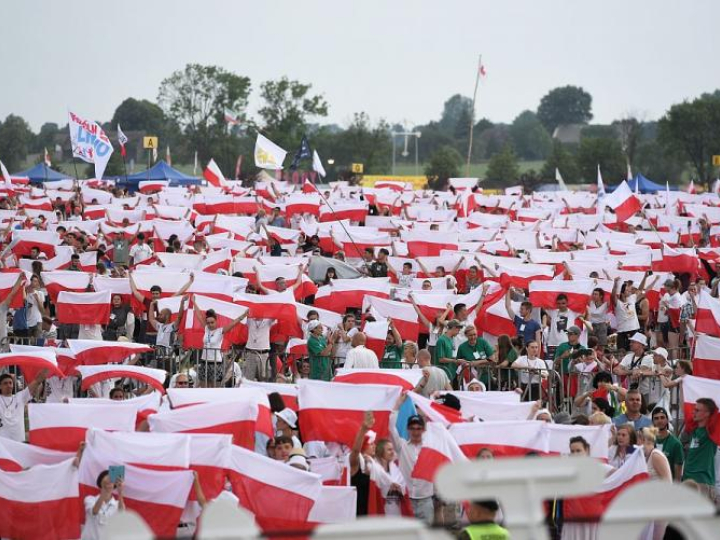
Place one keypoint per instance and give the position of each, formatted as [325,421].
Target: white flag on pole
[268,155]
[89,143]
[600,192]
[559,179]
[317,164]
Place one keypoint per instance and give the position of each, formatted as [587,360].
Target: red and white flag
[32,363]
[680,260]
[691,187]
[83,308]
[695,388]
[214,175]
[429,243]
[62,426]
[544,293]
[592,507]
[623,202]
[403,315]
[210,458]
[91,352]
[237,420]
[278,306]
[438,448]
[65,280]
[41,502]
[376,336]
[706,358]
[523,274]
[16,456]
[405,378]
[493,318]
[23,240]
[288,392]
[122,141]
[281,497]
[289,272]
[435,412]
[193,332]
[301,203]
[334,412]
[351,293]
[8,282]
[147,187]
[150,376]
[352,211]
[707,316]
[504,439]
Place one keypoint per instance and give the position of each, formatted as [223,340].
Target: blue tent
[42,173]
[644,185]
[160,171]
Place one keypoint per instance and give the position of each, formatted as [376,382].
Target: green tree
[287,105]
[565,105]
[694,129]
[197,97]
[604,152]
[15,138]
[564,161]
[444,163]
[659,163]
[362,142]
[45,138]
[493,140]
[630,131]
[530,138]
[456,114]
[503,167]
[139,115]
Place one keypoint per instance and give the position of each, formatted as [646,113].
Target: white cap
[312,325]
[289,416]
[640,338]
[298,461]
[661,351]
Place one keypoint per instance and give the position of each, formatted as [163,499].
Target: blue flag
[302,153]
[407,409]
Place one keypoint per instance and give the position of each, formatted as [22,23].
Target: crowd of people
[546,301]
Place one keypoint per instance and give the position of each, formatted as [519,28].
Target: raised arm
[457,266]
[423,318]
[199,315]
[186,286]
[367,424]
[137,294]
[232,324]
[508,304]
[152,320]
[298,280]
[262,287]
[396,335]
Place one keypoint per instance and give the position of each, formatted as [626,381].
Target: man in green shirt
[700,461]
[444,357]
[482,522]
[668,443]
[476,353]
[564,350]
[392,356]
[319,350]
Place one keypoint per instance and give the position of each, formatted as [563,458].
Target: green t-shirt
[482,350]
[392,357]
[673,450]
[561,350]
[444,349]
[485,531]
[319,364]
[700,461]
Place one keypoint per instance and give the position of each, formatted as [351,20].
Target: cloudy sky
[396,59]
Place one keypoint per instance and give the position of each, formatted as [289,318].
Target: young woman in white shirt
[532,370]
[100,508]
[210,371]
[598,312]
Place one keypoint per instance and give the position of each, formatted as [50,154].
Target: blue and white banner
[89,143]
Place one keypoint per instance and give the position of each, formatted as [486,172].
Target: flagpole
[472,117]
[122,154]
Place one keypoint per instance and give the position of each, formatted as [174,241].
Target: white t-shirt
[140,252]
[12,415]
[259,334]
[212,343]
[598,314]
[3,321]
[34,317]
[342,348]
[626,314]
[164,334]
[361,357]
[525,376]
[58,389]
[559,323]
[668,301]
[95,523]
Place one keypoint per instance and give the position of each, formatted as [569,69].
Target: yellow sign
[716,161]
[418,182]
[357,168]
[150,142]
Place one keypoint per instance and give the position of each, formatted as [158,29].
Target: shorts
[666,328]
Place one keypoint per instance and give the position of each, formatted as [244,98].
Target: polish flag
[144,405]
[376,333]
[503,438]
[193,332]
[308,187]
[8,280]
[217,260]
[171,282]
[150,376]
[493,318]
[435,412]
[403,315]
[301,204]
[16,456]
[706,358]
[214,175]
[41,502]
[210,458]
[283,235]
[66,280]
[488,410]
[707,316]
[695,388]
[522,275]
[592,507]
[405,378]
[62,426]
[238,421]
[352,211]
[281,497]
[65,359]
[269,273]
[32,363]
[147,187]
[432,304]
[623,201]
[438,448]
[278,306]
[543,293]
[288,392]
[83,308]
[559,435]
[334,412]
[350,293]
[91,352]
[23,240]
[216,286]
[429,243]
[679,260]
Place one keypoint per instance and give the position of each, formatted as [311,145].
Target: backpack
[20,319]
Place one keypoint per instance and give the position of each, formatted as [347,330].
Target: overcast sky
[396,59]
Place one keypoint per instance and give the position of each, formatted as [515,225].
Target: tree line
[189,115]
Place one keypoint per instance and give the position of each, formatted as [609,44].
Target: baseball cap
[289,416]
[449,400]
[573,330]
[416,419]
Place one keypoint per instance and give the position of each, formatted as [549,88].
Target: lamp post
[405,153]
